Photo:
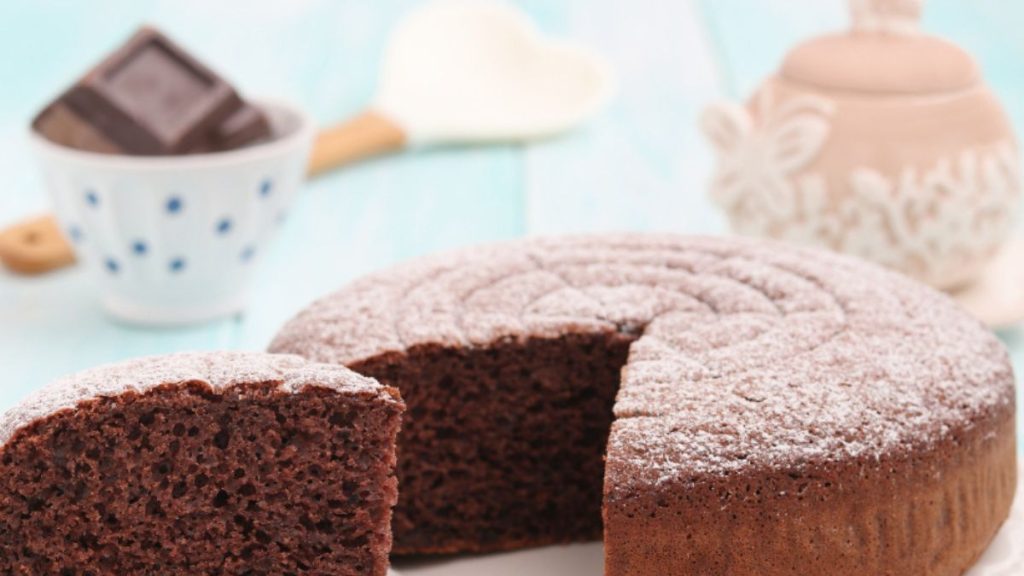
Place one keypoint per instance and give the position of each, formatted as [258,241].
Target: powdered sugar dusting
[220,370]
[750,354]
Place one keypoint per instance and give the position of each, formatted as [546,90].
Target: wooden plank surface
[641,166]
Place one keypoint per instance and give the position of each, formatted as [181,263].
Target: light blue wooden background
[640,166]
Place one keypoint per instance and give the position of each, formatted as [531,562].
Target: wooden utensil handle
[368,134]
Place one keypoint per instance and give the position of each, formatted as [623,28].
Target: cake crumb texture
[200,463]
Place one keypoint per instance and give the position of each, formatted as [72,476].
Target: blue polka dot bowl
[173,239]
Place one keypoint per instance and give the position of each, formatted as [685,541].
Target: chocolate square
[150,97]
[245,126]
[62,125]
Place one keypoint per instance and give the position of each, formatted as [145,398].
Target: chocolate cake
[762,409]
[203,463]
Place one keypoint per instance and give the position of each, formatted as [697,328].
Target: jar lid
[884,53]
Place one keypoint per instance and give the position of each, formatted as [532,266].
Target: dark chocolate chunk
[62,125]
[246,126]
[150,97]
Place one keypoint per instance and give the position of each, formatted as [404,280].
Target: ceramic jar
[882,142]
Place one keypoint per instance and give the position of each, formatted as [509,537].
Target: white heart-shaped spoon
[469,71]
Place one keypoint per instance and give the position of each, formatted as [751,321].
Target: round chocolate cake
[731,407]
[203,463]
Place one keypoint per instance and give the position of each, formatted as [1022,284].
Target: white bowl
[172,239]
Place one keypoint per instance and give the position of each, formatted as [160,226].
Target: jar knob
[886,16]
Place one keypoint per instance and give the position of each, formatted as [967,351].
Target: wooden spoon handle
[368,134]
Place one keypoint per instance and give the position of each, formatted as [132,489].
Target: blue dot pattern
[174,205]
[247,253]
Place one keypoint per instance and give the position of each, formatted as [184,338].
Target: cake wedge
[201,463]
